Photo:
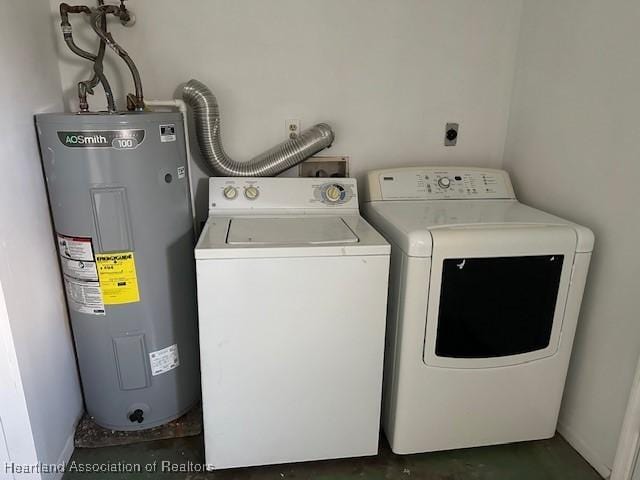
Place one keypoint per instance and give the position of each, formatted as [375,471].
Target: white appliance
[483,303]
[292,290]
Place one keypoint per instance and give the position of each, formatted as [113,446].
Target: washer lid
[289,231]
[288,236]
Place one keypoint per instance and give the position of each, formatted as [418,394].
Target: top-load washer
[292,288]
[483,303]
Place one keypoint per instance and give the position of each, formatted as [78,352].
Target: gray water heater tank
[120,204]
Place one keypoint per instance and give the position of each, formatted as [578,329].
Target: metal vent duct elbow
[269,163]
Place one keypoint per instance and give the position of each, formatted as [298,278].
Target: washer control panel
[439,183]
[236,193]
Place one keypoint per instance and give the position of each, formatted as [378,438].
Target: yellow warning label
[118,280]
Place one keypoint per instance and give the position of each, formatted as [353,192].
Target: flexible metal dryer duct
[272,162]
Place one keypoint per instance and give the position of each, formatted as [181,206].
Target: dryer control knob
[230,192]
[333,193]
[444,182]
[251,193]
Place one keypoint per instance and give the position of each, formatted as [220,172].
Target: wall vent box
[324,166]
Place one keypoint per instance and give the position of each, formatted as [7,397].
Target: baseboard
[584,450]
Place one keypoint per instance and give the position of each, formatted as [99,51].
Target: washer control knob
[230,192]
[251,193]
[333,193]
[444,182]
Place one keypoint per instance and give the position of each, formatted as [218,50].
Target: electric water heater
[119,196]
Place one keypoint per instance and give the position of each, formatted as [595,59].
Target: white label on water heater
[80,274]
[168,133]
[84,297]
[75,248]
[164,360]
[79,269]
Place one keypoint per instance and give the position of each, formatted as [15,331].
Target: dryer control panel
[269,193]
[438,183]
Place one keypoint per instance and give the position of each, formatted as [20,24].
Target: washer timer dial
[333,193]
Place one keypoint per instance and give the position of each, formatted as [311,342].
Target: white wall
[573,148]
[16,438]
[29,273]
[386,75]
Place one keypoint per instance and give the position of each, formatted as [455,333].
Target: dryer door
[497,294]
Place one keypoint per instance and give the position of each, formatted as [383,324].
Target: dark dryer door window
[495,307]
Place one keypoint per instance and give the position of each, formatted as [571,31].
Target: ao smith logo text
[118,139]
[86,139]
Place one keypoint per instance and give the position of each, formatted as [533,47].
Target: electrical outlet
[451,134]
[292,127]
[322,167]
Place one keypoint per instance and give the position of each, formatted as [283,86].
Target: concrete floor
[550,459]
